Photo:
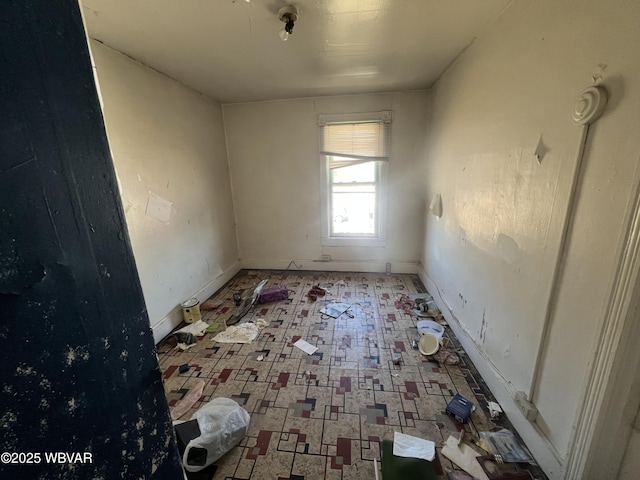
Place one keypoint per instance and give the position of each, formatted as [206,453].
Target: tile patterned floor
[330,425]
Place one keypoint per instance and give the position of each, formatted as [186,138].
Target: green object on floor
[212,328]
[404,468]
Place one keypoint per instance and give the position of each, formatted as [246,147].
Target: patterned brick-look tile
[323,416]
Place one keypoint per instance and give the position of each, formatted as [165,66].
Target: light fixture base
[289,12]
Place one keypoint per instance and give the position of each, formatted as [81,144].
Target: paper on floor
[197,328]
[243,333]
[306,347]
[414,447]
[335,309]
[494,409]
[464,456]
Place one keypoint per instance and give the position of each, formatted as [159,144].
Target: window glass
[354,200]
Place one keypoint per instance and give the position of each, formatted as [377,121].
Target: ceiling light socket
[290,12]
[287,15]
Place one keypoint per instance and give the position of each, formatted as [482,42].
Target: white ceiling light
[288,15]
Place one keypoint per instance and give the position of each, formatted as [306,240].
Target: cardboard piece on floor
[306,347]
[464,456]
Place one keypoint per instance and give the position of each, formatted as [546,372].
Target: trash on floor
[405,303]
[243,333]
[436,315]
[460,408]
[191,310]
[184,368]
[261,323]
[273,294]
[496,469]
[506,444]
[409,446]
[183,405]
[445,356]
[306,347]
[423,303]
[237,298]
[198,328]
[184,346]
[335,309]
[396,358]
[210,305]
[429,326]
[223,424]
[428,344]
[246,303]
[494,409]
[316,292]
[179,338]
[421,297]
[456,475]
[212,328]
[464,456]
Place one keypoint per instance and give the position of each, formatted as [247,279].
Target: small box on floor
[185,432]
[460,408]
[273,294]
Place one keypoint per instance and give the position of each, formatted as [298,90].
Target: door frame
[611,395]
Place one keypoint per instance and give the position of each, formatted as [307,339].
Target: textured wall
[493,253]
[277,180]
[169,140]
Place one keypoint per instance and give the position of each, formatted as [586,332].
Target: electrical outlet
[527,407]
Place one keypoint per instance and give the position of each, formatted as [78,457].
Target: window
[354,152]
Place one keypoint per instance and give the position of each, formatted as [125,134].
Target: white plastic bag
[223,424]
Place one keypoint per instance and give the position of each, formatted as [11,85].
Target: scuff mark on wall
[483,326]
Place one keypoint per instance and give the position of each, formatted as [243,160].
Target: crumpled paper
[243,333]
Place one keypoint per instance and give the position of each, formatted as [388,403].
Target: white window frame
[380,239]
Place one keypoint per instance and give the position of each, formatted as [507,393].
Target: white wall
[490,258]
[169,140]
[276,176]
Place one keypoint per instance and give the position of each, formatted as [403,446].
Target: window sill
[354,242]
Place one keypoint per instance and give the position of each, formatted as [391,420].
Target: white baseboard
[172,319]
[545,454]
[376,266]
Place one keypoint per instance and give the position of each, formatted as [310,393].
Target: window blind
[349,143]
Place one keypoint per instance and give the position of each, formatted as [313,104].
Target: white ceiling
[230,49]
